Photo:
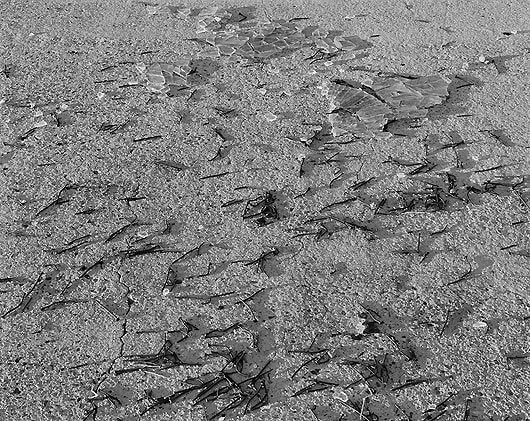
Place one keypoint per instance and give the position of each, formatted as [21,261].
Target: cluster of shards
[364,110]
[166,78]
[235,33]
[280,38]
[213,18]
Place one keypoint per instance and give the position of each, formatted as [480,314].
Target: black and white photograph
[264,210]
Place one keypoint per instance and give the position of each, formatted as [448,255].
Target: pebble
[340,395]
[269,116]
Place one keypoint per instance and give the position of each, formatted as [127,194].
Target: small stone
[270,116]
[153,10]
[480,325]
[340,395]
[482,59]
[141,67]
[142,233]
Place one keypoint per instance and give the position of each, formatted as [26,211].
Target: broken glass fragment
[355,111]
[364,110]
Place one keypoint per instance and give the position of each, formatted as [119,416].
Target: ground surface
[217,251]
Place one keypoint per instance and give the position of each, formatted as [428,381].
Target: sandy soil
[216,253]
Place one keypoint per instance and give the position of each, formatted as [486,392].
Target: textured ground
[163,258]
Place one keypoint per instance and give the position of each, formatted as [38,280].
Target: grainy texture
[195,228]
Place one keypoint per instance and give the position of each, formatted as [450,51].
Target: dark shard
[15,279]
[201,71]
[45,286]
[320,138]
[5,158]
[433,143]
[224,134]
[185,117]
[501,137]
[326,413]
[341,268]
[458,90]
[196,95]
[18,103]
[176,91]
[8,70]
[475,410]
[171,164]
[402,127]
[119,394]
[371,326]
[63,118]
[371,410]
[308,164]
[272,267]
[217,333]
[226,111]
[173,227]
[315,387]
[117,308]
[464,159]
[263,209]
[500,62]
[456,319]
[176,274]
[518,358]
[241,14]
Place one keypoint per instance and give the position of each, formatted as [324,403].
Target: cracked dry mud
[260,211]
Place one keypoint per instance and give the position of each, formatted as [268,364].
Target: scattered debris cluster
[242,384]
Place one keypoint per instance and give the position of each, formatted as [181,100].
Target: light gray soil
[421,314]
